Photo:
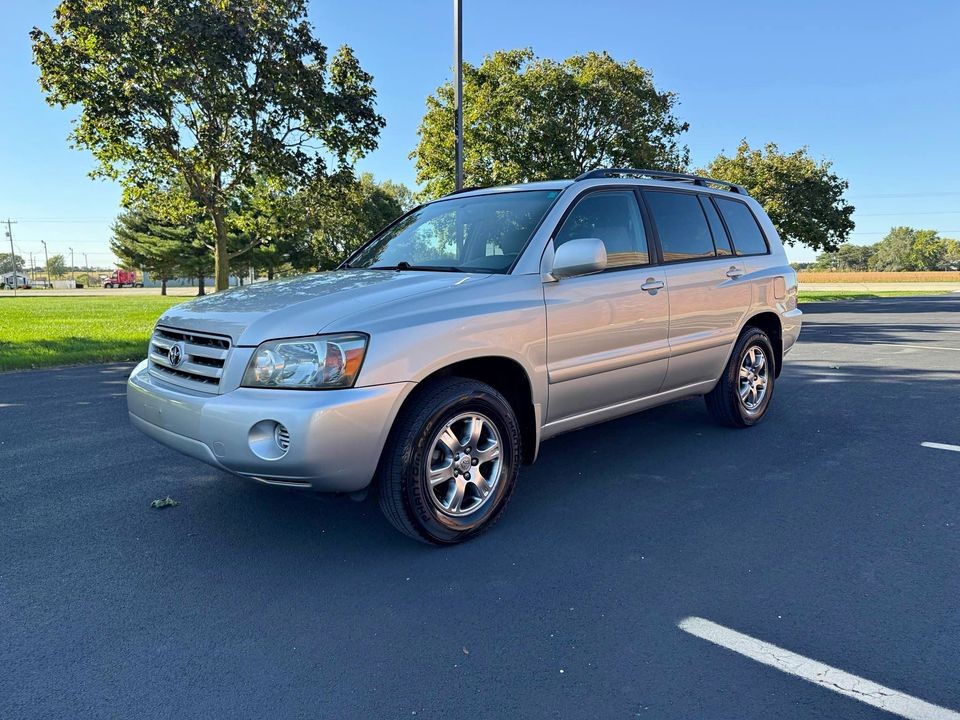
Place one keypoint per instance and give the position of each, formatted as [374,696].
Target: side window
[681,224]
[720,239]
[746,234]
[614,217]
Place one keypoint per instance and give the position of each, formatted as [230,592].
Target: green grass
[49,331]
[827,295]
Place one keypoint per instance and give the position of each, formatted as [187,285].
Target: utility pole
[73,269]
[13,256]
[47,259]
[86,265]
[33,272]
[458,87]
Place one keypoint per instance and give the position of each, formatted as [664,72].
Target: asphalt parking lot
[828,531]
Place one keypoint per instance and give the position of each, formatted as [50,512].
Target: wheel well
[770,324]
[511,380]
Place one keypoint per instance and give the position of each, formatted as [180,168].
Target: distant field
[806,276]
[805,296]
[47,331]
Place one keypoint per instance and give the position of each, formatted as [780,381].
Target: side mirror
[583,256]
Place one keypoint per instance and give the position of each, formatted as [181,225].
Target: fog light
[269,440]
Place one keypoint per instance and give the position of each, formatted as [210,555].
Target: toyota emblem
[175,355]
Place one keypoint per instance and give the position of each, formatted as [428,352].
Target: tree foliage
[210,92]
[289,229]
[145,238]
[56,267]
[903,248]
[803,197]
[527,118]
[6,263]
[347,215]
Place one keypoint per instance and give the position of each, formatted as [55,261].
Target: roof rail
[661,175]
[463,190]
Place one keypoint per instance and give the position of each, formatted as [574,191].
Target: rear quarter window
[744,230]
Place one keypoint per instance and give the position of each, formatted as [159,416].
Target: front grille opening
[193,339]
[187,375]
[202,360]
[208,362]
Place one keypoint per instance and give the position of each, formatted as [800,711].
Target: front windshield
[481,233]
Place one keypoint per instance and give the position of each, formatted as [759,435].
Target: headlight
[310,363]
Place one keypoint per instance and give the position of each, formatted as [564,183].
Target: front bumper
[336,436]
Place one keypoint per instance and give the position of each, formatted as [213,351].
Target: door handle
[651,285]
[734,272]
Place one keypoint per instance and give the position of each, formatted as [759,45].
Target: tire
[136,285]
[433,433]
[725,403]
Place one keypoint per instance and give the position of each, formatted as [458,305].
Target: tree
[803,198]
[527,118]
[212,93]
[56,267]
[143,239]
[905,248]
[6,265]
[951,257]
[348,214]
[278,215]
[847,257]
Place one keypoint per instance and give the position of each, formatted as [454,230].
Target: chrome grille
[202,357]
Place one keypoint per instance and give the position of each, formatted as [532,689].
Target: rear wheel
[742,396]
[451,462]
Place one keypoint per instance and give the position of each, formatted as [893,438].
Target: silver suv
[440,355]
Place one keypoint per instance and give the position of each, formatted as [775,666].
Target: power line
[905,195]
[907,212]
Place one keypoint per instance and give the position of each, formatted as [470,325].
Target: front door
[606,333]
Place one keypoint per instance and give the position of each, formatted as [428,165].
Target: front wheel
[742,396]
[451,463]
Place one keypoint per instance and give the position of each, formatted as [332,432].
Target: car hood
[304,305]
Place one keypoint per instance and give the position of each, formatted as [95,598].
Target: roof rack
[465,189]
[661,175]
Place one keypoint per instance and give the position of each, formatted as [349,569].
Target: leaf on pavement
[161,503]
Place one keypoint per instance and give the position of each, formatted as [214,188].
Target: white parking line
[941,446]
[918,347]
[852,686]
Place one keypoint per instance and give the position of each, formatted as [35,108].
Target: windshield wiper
[404,265]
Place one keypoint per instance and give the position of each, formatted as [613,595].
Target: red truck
[122,278]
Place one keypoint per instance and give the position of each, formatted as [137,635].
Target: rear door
[606,333]
[708,293]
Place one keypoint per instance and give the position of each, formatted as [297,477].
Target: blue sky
[872,86]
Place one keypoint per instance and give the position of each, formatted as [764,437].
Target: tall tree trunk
[163,285]
[202,290]
[269,273]
[221,259]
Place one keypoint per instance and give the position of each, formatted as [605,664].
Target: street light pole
[47,260]
[458,88]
